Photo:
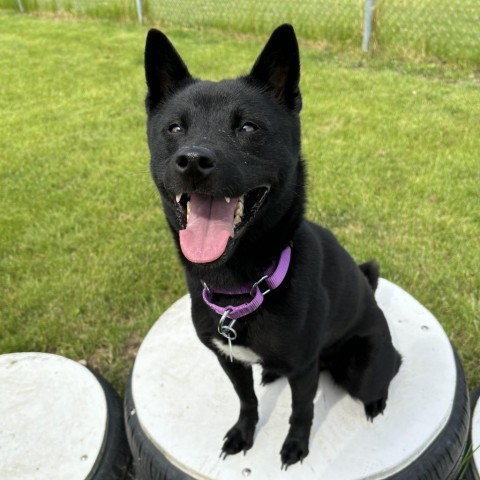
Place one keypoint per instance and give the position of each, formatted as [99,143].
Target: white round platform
[185,404]
[476,436]
[53,418]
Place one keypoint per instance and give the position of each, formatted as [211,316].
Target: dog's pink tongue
[209,227]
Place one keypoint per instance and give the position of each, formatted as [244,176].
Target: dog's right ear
[165,70]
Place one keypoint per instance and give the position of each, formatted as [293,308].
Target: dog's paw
[269,377]
[293,451]
[372,409]
[236,440]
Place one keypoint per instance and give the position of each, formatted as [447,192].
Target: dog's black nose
[195,161]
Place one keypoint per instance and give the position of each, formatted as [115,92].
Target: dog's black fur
[228,138]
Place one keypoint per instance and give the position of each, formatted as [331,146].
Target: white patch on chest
[242,354]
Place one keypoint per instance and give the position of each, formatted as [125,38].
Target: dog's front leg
[240,436]
[304,387]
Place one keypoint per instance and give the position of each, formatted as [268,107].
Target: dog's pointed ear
[278,67]
[165,70]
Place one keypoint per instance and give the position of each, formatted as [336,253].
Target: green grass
[87,263]
[440,30]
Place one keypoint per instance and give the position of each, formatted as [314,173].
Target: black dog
[225,157]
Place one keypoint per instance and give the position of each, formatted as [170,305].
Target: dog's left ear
[278,67]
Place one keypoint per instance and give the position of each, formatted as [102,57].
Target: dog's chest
[238,352]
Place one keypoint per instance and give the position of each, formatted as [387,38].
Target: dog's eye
[249,127]
[175,128]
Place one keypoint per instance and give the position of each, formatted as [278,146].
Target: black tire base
[114,461]
[442,460]
[473,471]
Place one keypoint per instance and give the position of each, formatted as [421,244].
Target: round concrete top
[53,418]
[476,435]
[185,403]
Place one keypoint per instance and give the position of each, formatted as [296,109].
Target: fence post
[367,25]
[20,6]
[139,11]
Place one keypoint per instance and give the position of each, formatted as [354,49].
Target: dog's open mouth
[209,222]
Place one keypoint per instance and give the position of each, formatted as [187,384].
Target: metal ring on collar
[205,286]
[222,320]
[228,332]
[256,285]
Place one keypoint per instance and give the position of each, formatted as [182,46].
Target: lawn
[87,263]
[445,30]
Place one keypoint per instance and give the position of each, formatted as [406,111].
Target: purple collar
[273,277]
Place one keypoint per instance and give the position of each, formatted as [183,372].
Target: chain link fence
[444,29]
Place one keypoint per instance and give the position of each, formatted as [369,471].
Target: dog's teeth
[238,214]
[227,199]
[178,197]
[188,211]
[239,209]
